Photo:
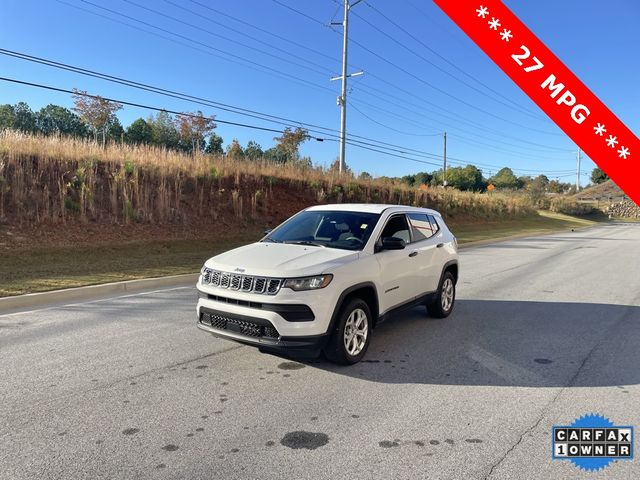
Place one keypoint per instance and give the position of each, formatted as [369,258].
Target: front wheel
[442,305]
[350,339]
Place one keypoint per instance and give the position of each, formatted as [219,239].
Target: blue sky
[404,97]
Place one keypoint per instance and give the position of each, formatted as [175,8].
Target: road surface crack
[548,406]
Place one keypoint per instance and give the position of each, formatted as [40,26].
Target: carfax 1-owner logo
[592,442]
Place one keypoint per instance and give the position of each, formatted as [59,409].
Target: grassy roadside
[38,270]
[544,222]
[65,267]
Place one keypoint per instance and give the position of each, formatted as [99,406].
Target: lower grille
[244,327]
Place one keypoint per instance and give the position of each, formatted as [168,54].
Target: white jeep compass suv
[322,280]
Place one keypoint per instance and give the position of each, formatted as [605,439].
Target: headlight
[308,283]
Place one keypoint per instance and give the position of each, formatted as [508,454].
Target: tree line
[470,178]
[93,117]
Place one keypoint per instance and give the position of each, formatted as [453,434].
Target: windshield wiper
[269,239]
[304,242]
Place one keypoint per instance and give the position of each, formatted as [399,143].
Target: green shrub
[130,212]
[71,205]
[129,167]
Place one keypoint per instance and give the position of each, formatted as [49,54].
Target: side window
[397,227]
[434,224]
[421,226]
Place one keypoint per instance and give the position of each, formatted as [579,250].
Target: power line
[438,89]
[444,92]
[263,30]
[361,145]
[358,144]
[459,138]
[426,60]
[288,7]
[153,89]
[402,149]
[456,118]
[133,104]
[388,127]
[203,101]
[214,34]
[456,125]
[272,70]
[444,59]
[502,149]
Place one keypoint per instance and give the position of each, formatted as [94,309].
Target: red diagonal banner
[552,86]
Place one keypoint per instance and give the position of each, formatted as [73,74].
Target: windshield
[345,230]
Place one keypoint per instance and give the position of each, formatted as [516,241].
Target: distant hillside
[604,192]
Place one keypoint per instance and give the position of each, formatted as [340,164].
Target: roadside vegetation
[37,268]
[84,200]
[60,180]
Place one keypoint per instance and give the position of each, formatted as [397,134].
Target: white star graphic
[612,141]
[623,152]
[600,129]
[482,11]
[494,23]
[506,35]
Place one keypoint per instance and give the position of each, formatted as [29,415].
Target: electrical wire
[202,101]
[388,127]
[237,58]
[265,31]
[228,39]
[412,94]
[358,144]
[277,73]
[453,65]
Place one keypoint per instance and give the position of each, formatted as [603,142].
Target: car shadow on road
[505,343]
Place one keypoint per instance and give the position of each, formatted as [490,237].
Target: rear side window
[434,224]
[423,226]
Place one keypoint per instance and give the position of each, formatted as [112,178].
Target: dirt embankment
[64,192]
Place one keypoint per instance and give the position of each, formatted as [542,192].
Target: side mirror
[268,231]
[392,243]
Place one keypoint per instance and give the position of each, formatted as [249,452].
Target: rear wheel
[442,304]
[350,339]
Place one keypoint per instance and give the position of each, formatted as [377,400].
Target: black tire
[442,304]
[336,350]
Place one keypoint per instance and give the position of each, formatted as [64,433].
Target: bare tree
[95,111]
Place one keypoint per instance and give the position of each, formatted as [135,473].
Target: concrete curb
[91,292]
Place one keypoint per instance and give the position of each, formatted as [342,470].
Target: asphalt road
[545,330]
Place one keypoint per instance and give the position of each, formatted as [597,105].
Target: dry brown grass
[51,179]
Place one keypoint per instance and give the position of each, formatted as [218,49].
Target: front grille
[244,327]
[245,283]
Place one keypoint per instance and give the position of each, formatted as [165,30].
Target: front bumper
[258,332]
[292,314]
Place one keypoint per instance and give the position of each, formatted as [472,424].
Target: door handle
[440,245]
[414,253]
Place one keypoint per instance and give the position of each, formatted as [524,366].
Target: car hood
[280,260]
